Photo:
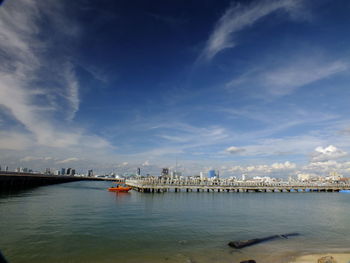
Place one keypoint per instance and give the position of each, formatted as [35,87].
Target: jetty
[16,181]
[162,186]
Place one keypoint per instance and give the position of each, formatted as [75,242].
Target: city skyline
[244,87]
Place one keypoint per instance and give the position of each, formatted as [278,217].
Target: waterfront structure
[164,185]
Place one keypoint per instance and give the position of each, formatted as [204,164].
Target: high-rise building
[63,171]
[6,168]
[73,172]
[69,171]
[165,171]
[202,175]
[211,173]
[138,171]
[90,173]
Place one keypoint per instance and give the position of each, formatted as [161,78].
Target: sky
[244,87]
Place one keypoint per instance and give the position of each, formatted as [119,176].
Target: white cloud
[146,163]
[327,153]
[234,150]
[237,18]
[68,160]
[283,166]
[263,168]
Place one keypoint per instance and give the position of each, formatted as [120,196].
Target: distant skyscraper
[73,172]
[90,173]
[202,176]
[69,171]
[138,171]
[211,173]
[6,168]
[63,171]
[165,171]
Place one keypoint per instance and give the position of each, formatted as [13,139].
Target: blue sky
[256,87]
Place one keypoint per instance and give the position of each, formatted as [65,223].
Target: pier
[16,181]
[161,186]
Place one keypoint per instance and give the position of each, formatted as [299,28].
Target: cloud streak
[25,67]
[237,18]
[284,81]
[288,74]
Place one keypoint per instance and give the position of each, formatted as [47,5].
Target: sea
[81,222]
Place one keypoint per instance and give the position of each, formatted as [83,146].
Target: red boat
[119,188]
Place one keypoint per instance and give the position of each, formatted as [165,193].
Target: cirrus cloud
[238,17]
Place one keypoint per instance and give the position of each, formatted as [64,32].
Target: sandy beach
[338,257]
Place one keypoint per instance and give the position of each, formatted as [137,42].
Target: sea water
[83,222]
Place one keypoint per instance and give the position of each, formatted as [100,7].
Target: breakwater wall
[12,181]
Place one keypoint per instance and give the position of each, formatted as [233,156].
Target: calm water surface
[83,222]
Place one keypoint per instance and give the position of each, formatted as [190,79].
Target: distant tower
[138,171]
[69,171]
[165,171]
[90,173]
[63,171]
[73,172]
[6,168]
[202,175]
[211,173]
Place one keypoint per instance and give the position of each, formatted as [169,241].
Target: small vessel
[119,188]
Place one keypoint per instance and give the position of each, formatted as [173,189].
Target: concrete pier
[148,186]
[12,181]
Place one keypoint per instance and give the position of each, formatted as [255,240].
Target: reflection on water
[83,222]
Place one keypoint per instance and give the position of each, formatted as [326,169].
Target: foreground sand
[339,257]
